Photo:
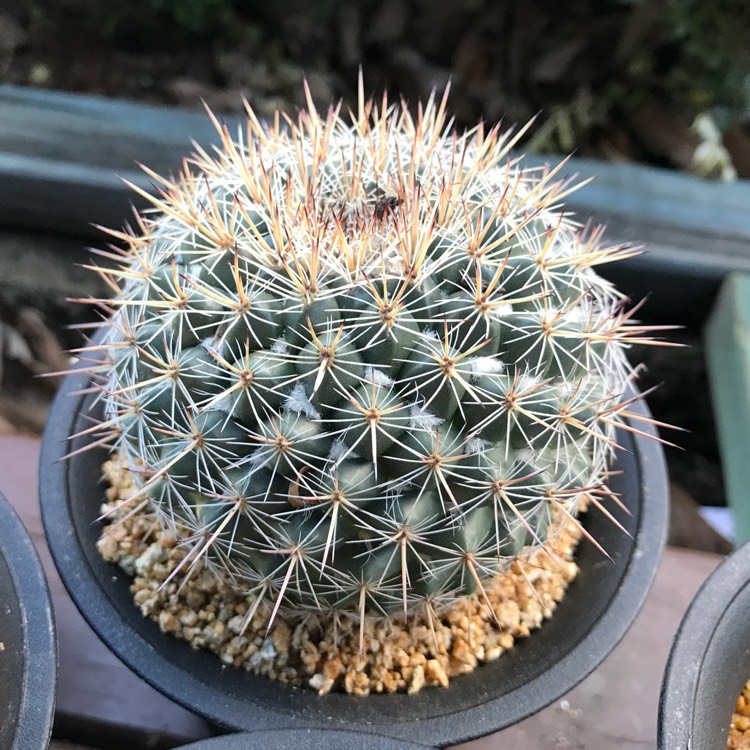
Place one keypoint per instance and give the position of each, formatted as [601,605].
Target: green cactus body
[360,366]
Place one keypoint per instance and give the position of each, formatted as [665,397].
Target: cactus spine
[359,364]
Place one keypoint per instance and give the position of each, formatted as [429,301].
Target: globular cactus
[359,364]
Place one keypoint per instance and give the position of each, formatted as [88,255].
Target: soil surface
[380,655]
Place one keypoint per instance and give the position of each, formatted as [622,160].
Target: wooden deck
[102,704]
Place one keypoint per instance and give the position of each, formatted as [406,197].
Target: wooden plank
[111,135]
[727,337]
[659,197]
[60,155]
[63,156]
[92,131]
[100,702]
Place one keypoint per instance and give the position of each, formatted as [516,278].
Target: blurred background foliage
[665,82]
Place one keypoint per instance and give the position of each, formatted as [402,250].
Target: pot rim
[711,607]
[38,691]
[453,725]
[309,738]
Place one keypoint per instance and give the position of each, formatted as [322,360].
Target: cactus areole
[360,363]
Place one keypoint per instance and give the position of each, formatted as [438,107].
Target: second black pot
[709,662]
[596,612]
[28,658]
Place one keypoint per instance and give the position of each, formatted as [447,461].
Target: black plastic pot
[709,662]
[28,659]
[303,739]
[597,611]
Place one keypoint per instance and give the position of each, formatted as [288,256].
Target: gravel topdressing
[739,729]
[327,652]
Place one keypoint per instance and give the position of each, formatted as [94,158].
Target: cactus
[360,364]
